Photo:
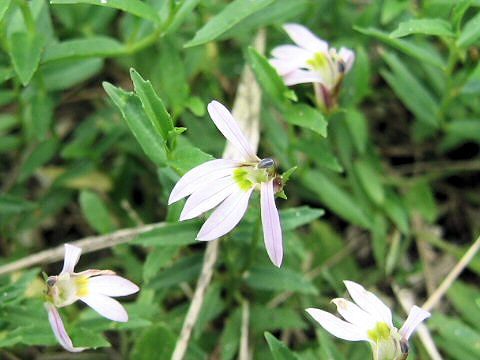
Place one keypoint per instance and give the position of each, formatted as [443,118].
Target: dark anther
[51,281]
[266,163]
[341,67]
[404,347]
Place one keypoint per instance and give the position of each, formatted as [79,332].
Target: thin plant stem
[433,300]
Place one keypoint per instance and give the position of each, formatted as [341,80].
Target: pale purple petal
[272,232]
[226,216]
[106,306]
[337,327]
[72,254]
[227,125]
[283,67]
[302,76]
[369,302]
[348,57]
[207,197]
[292,53]
[415,317]
[200,175]
[111,285]
[59,329]
[354,314]
[305,38]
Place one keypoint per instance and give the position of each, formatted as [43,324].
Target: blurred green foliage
[396,168]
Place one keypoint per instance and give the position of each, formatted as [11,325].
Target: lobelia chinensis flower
[94,287]
[312,61]
[227,185]
[370,320]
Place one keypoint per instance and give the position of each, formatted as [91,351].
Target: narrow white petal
[227,125]
[106,306]
[348,57]
[200,175]
[111,285]
[305,38]
[72,254]
[283,67]
[59,329]
[354,314]
[302,76]
[337,327]
[272,232]
[292,53]
[415,317]
[207,197]
[226,216]
[369,302]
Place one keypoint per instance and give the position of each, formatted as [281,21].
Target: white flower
[312,61]
[370,320]
[94,287]
[227,185]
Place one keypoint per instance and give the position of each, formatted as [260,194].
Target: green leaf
[358,128]
[138,8]
[95,211]
[231,15]
[4,5]
[396,211]
[292,218]
[282,279]
[157,259]
[64,74]
[278,349]
[10,204]
[139,123]
[182,233]
[437,27]
[411,91]
[98,46]
[337,199]
[84,337]
[465,299]
[38,157]
[320,152]
[186,156]
[409,48]
[464,129]
[470,32]
[183,270]
[152,105]
[269,79]
[306,116]
[421,198]
[147,344]
[25,50]
[370,180]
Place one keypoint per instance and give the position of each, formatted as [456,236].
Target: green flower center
[381,332]
[246,177]
[319,61]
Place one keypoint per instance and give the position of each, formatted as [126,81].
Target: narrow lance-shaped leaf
[437,27]
[139,123]
[231,15]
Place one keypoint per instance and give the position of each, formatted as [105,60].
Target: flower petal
[227,125]
[292,54]
[226,216]
[337,327]
[111,285]
[200,175]
[59,329]
[354,314]
[415,317]
[305,38]
[72,254]
[369,302]
[348,57]
[272,232]
[302,76]
[106,306]
[207,197]
[283,67]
